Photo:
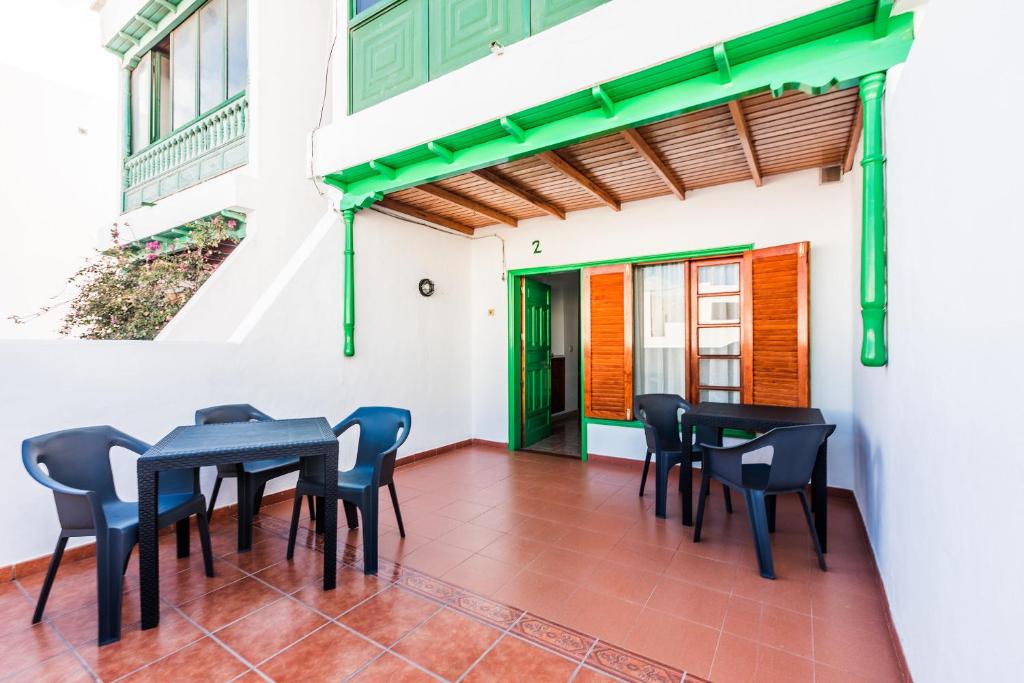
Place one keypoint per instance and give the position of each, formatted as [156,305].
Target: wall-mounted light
[497,48]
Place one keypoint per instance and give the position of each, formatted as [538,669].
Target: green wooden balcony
[201,149]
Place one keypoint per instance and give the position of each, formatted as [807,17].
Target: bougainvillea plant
[125,292]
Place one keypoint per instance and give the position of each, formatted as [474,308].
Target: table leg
[819,495]
[329,512]
[183,532]
[244,515]
[686,473]
[149,576]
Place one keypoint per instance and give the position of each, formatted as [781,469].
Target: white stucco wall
[938,472]
[786,209]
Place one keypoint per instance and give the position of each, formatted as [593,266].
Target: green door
[536,361]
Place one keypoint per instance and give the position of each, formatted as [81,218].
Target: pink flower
[232,223]
[153,246]
[151,257]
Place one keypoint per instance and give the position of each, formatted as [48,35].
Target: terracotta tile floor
[525,567]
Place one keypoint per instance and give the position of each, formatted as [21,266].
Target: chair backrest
[379,428]
[659,414]
[794,452]
[78,459]
[231,412]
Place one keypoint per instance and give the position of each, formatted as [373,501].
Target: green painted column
[350,284]
[872,255]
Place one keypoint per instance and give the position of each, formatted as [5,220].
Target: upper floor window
[202,63]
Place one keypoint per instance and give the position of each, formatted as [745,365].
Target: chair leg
[312,508]
[51,574]
[702,497]
[213,498]
[110,559]
[769,502]
[204,541]
[350,515]
[814,531]
[728,499]
[643,479]
[758,517]
[259,499]
[369,512]
[182,530]
[398,511]
[293,528]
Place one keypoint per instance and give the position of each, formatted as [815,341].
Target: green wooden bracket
[383,169]
[349,216]
[883,13]
[166,5]
[151,25]
[814,67]
[513,129]
[128,37]
[722,62]
[603,101]
[441,152]
[873,351]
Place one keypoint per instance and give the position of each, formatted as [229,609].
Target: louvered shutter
[608,342]
[779,312]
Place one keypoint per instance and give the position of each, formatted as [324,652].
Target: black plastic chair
[258,472]
[78,471]
[382,431]
[659,414]
[779,461]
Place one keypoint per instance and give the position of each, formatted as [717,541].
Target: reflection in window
[365,5]
[211,55]
[238,47]
[141,87]
[660,330]
[723,278]
[183,71]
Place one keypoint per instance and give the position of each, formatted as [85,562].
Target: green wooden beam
[383,169]
[814,67]
[872,265]
[603,101]
[151,25]
[883,12]
[722,62]
[441,152]
[166,5]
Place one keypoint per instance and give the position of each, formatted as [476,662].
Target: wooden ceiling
[743,140]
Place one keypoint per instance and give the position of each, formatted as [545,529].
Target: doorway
[550,362]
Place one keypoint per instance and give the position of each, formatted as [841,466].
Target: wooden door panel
[608,342]
[461,31]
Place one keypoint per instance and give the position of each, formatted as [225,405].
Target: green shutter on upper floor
[546,13]
[389,54]
[461,31]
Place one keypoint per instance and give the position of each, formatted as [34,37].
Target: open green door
[536,298]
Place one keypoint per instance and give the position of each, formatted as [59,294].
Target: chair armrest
[119,438]
[344,425]
[727,461]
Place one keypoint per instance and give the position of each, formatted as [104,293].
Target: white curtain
[659,347]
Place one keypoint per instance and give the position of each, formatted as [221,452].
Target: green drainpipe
[350,284]
[872,264]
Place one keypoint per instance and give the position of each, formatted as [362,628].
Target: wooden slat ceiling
[700,149]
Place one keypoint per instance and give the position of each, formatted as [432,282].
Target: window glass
[365,5]
[141,85]
[211,55]
[722,278]
[183,71]
[719,341]
[719,396]
[714,310]
[720,372]
[162,70]
[659,318]
[238,47]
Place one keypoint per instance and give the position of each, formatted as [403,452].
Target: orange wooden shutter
[778,326]
[608,342]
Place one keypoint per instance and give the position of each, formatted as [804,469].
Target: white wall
[938,468]
[522,76]
[58,157]
[786,209]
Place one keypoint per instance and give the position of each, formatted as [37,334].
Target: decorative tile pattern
[630,666]
[487,610]
[559,638]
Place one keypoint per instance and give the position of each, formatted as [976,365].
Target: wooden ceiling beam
[746,141]
[556,162]
[851,144]
[637,141]
[492,178]
[467,203]
[429,216]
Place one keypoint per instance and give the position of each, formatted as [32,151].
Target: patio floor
[528,567]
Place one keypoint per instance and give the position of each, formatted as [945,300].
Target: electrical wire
[323,105]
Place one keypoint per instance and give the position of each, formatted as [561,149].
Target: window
[363,5]
[728,330]
[202,63]
[659,312]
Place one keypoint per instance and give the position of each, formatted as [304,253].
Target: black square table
[217,444]
[753,418]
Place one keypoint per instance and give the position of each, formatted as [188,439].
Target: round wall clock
[426,286]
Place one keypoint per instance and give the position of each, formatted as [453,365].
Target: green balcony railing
[207,146]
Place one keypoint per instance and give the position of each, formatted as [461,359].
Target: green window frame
[162,119]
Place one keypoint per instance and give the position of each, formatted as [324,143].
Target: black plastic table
[217,444]
[752,418]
